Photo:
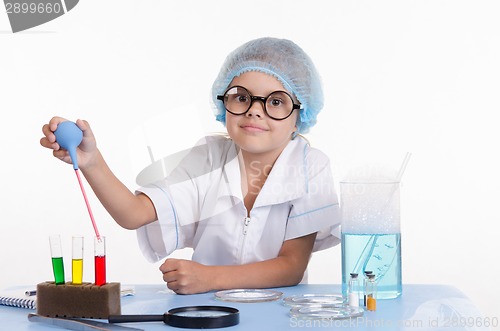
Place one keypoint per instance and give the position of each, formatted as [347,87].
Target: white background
[399,76]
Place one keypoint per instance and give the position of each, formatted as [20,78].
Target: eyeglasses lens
[278,105]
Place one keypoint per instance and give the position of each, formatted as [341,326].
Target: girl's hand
[186,277]
[86,151]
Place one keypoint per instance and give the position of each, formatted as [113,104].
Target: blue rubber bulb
[69,136]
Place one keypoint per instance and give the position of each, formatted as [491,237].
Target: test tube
[57,259]
[365,280]
[100,260]
[353,291]
[371,293]
[77,261]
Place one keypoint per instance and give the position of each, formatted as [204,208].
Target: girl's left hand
[186,277]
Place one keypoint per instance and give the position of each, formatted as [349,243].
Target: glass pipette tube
[92,219]
[77,261]
[100,260]
[57,259]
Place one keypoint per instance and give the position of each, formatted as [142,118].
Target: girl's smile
[252,127]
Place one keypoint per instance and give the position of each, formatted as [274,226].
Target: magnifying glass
[192,317]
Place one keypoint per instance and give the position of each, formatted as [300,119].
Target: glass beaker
[371,234]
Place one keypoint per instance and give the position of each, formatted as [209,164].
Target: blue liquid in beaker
[379,253]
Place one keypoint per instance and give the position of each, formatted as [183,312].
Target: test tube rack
[78,301]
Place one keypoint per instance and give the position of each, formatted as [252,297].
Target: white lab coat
[200,205]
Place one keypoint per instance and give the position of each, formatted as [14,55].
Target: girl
[252,205]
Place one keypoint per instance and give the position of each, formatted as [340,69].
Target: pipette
[69,136]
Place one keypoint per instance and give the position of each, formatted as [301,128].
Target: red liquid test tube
[100,260]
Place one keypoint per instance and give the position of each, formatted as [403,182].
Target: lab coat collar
[288,178]
[286,181]
[232,176]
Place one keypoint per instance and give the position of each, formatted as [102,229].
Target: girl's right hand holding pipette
[127,209]
[87,151]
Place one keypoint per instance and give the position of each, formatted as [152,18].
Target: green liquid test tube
[57,259]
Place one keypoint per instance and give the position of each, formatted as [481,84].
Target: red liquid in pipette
[87,203]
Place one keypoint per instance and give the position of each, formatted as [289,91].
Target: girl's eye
[275,102]
[242,98]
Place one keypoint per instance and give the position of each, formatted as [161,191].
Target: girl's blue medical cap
[282,59]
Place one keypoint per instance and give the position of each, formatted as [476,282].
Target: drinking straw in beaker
[57,259]
[77,261]
[100,260]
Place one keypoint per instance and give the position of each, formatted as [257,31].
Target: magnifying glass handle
[135,318]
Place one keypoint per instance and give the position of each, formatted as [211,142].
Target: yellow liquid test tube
[77,261]
[77,271]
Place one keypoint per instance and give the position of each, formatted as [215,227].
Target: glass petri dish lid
[326,312]
[248,295]
[314,299]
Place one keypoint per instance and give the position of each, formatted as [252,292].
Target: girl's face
[255,132]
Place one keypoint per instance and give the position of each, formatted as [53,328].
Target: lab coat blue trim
[175,216]
[314,210]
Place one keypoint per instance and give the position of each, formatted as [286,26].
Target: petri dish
[326,312]
[314,299]
[248,295]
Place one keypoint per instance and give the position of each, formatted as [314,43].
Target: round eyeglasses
[278,105]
